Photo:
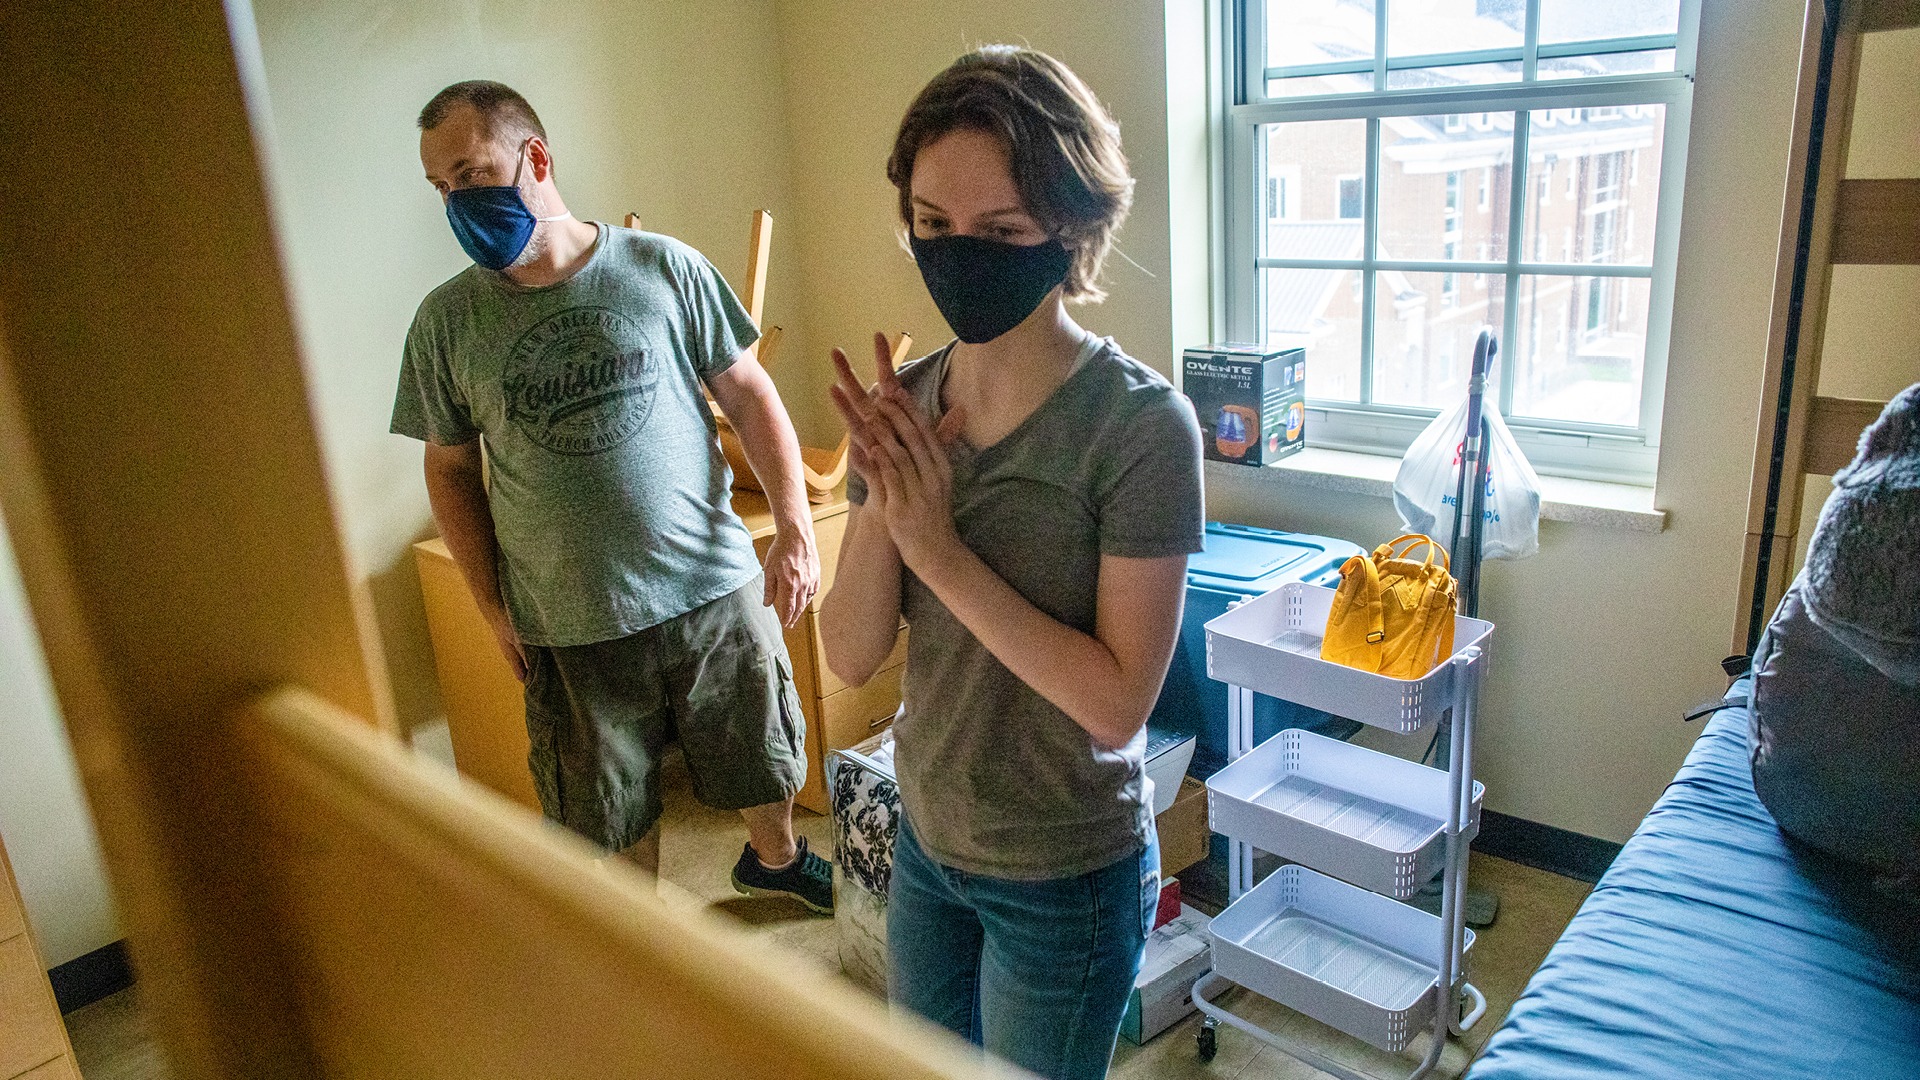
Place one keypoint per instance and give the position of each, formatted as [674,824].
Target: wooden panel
[759,250]
[1780,572]
[13,921]
[30,1031]
[1833,432]
[833,684]
[1810,312]
[1878,221]
[60,1068]
[1889,15]
[813,794]
[13,910]
[165,489]
[476,943]
[486,710]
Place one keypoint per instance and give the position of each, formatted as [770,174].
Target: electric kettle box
[1251,400]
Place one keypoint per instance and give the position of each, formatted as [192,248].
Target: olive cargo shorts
[600,716]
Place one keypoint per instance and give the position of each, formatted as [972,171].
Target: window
[1353,102]
[1351,196]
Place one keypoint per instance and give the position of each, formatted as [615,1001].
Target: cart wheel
[1208,1039]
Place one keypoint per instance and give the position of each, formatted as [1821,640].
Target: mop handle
[1472,456]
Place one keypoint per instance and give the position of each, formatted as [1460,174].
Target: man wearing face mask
[603,549]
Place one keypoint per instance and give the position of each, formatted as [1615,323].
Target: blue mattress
[1715,948]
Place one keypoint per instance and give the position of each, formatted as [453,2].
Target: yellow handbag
[1393,614]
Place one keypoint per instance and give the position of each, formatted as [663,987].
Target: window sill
[1579,502]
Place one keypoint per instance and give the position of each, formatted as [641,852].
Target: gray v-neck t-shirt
[996,779]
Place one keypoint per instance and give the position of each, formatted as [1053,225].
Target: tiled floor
[699,846]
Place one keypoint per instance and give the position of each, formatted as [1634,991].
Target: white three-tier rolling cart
[1326,934]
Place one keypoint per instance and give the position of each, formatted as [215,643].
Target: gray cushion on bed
[1863,563]
[1836,694]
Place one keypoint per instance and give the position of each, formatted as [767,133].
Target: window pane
[1313,85]
[1312,189]
[1318,31]
[1422,78]
[1427,27]
[1582,349]
[1319,309]
[1424,327]
[1432,170]
[1620,63]
[1585,20]
[1594,193]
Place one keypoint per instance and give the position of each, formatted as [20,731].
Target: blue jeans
[1036,972]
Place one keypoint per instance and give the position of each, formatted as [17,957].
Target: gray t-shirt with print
[996,779]
[609,494]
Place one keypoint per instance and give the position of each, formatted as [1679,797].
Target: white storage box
[1371,819]
[1348,958]
[1271,645]
[1177,955]
[1168,755]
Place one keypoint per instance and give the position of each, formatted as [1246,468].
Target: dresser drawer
[858,713]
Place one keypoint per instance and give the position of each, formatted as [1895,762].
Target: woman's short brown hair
[1063,146]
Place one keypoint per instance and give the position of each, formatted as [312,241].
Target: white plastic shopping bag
[1429,481]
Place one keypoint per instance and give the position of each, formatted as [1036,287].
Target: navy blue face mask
[985,288]
[493,224]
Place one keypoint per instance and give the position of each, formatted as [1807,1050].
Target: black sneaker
[808,879]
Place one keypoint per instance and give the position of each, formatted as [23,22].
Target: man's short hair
[502,110]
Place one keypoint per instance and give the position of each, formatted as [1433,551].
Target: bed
[1715,948]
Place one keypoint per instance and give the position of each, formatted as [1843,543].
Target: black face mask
[985,288]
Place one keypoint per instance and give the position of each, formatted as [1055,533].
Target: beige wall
[670,110]
[851,68]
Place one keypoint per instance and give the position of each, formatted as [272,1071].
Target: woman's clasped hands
[901,454]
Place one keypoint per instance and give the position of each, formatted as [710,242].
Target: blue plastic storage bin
[1241,561]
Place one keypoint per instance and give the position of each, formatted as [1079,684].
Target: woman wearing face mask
[1026,497]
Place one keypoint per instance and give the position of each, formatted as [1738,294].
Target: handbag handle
[1391,548]
[1369,589]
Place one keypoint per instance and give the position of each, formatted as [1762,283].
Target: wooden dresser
[486,716]
[33,1039]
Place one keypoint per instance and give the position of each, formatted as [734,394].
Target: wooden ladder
[1829,221]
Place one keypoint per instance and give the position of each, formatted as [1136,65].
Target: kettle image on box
[1237,429]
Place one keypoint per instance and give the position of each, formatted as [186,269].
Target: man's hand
[793,574]
[509,642]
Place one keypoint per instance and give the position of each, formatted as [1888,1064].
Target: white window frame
[1593,451]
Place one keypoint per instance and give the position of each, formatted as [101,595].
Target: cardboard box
[1251,400]
[1183,828]
[1177,955]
